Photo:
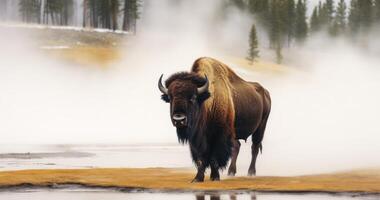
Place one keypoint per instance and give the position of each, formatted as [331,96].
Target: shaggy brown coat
[232,109]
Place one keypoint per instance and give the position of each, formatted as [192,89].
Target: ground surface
[363,181]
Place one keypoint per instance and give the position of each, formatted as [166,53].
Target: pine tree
[238,3]
[339,25]
[361,15]
[85,5]
[274,24]
[366,13]
[322,14]
[377,12]
[314,21]
[114,8]
[279,56]
[301,28]
[131,14]
[102,13]
[354,17]
[330,10]
[30,10]
[253,51]
[59,12]
[276,29]
[289,19]
[260,8]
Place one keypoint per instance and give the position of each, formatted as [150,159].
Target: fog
[325,104]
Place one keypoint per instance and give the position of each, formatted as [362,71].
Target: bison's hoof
[251,173]
[215,178]
[197,180]
[231,173]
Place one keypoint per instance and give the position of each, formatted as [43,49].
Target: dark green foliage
[276,31]
[285,21]
[289,19]
[326,13]
[103,13]
[361,15]
[131,14]
[376,11]
[329,9]
[339,25]
[260,8]
[279,56]
[365,10]
[57,12]
[314,21]
[30,10]
[354,17]
[301,28]
[322,14]
[253,51]
[238,3]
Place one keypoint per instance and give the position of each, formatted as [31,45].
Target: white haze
[324,114]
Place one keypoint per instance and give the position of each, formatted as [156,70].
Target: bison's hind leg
[257,139]
[235,153]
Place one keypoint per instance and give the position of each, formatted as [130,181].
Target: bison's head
[185,92]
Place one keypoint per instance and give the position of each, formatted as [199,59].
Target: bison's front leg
[201,166]
[214,176]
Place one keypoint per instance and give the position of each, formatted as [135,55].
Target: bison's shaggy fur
[230,110]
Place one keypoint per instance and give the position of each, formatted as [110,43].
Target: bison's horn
[161,87]
[204,88]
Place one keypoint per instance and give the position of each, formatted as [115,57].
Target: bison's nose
[179,119]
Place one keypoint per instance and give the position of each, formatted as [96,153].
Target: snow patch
[55,47]
[71,28]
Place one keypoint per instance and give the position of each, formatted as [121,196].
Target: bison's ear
[203,97]
[165,98]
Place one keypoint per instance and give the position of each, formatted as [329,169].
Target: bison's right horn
[204,88]
[161,87]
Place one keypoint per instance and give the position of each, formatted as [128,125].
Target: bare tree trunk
[114,15]
[126,17]
[94,15]
[84,13]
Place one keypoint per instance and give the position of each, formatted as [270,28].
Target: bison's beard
[182,135]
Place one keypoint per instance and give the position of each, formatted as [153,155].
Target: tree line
[105,14]
[359,17]
[286,21]
[108,14]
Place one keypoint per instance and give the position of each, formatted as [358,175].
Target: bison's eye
[166,98]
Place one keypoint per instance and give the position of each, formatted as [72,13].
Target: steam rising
[324,115]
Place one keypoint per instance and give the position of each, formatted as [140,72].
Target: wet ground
[17,157]
[74,193]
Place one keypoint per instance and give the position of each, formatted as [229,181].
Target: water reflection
[216,196]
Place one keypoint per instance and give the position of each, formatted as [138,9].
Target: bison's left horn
[161,87]
[204,88]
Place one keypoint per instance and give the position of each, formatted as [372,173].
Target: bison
[212,109]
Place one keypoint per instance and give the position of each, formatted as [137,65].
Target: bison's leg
[235,153]
[201,166]
[257,138]
[214,176]
[255,151]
